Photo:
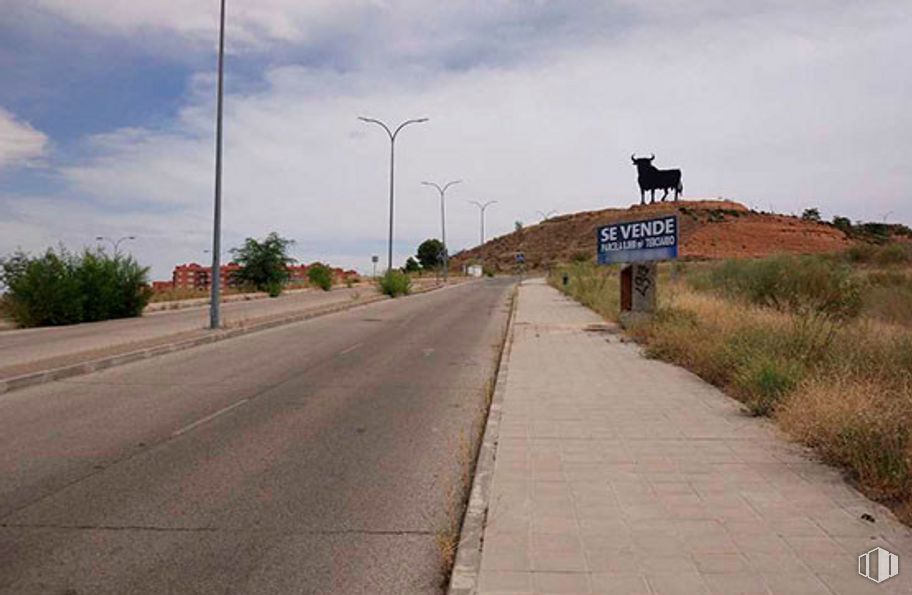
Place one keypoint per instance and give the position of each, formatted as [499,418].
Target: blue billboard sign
[639,241]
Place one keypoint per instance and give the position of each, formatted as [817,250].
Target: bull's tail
[680,188]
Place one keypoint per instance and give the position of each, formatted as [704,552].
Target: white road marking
[209,417]
[350,349]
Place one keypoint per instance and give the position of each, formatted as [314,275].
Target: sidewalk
[619,474]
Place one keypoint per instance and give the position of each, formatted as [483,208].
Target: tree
[812,214]
[430,253]
[411,265]
[843,224]
[517,225]
[264,264]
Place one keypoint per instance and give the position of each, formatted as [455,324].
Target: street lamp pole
[482,208]
[114,243]
[442,192]
[546,216]
[215,279]
[392,136]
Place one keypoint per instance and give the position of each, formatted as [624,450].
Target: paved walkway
[618,474]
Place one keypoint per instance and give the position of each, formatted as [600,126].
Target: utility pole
[215,278]
[482,208]
[392,136]
[442,191]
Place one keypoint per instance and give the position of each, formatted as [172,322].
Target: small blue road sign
[639,241]
[520,257]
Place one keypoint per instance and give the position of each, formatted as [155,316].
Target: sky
[107,116]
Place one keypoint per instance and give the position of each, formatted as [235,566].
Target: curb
[52,375]
[464,577]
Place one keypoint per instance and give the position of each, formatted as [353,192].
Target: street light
[546,216]
[442,192]
[392,136]
[482,207]
[115,243]
[215,286]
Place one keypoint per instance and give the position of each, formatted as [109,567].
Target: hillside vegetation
[823,344]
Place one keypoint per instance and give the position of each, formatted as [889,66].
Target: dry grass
[861,423]
[457,496]
[842,386]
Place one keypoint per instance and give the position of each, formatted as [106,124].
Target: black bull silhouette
[653,179]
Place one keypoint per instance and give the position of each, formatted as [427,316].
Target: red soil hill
[710,229]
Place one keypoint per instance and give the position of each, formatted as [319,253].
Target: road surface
[23,347]
[312,458]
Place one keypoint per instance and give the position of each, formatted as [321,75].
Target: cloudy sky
[107,115]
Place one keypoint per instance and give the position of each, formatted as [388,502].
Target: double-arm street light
[215,286]
[546,216]
[392,136]
[442,191]
[114,243]
[482,208]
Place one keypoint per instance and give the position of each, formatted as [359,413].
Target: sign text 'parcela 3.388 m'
[639,241]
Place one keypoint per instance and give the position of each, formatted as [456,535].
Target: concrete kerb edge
[467,566]
[44,376]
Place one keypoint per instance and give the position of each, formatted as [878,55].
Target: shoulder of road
[602,471]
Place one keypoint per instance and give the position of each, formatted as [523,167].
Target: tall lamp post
[442,191]
[392,136]
[114,243]
[215,283]
[482,208]
[545,216]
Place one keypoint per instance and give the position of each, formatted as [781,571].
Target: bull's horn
[633,157]
[652,157]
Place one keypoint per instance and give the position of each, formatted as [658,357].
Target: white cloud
[792,107]
[20,144]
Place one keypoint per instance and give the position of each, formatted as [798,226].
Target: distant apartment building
[196,276]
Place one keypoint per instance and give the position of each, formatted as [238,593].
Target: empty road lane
[317,457]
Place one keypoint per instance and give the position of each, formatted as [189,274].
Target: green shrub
[765,379]
[60,288]
[395,283]
[274,289]
[799,284]
[320,275]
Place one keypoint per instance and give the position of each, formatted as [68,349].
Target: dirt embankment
[710,229]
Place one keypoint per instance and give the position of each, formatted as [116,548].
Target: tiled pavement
[618,474]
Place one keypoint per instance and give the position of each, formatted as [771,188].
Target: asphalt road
[20,346]
[312,458]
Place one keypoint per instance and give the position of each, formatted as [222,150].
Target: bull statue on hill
[653,179]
